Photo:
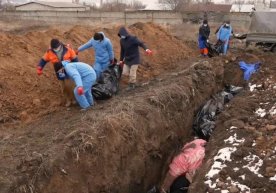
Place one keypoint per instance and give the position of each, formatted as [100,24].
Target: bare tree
[239,4]
[135,4]
[250,2]
[117,5]
[206,1]
[175,5]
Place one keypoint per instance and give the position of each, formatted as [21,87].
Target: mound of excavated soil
[241,154]
[121,146]
[25,96]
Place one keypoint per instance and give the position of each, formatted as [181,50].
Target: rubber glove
[39,70]
[148,52]
[80,90]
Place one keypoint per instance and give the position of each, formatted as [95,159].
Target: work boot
[131,86]
[85,109]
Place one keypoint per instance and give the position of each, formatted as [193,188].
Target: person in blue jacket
[104,55]
[203,38]
[84,77]
[224,34]
[130,55]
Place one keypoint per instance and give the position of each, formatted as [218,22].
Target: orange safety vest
[68,54]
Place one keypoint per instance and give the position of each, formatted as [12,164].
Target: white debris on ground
[242,177]
[222,156]
[273,178]
[251,164]
[260,112]
[231,128]
[252,87]
[221,160]
[233,140]
[254,164]
[240,186]
[272,111]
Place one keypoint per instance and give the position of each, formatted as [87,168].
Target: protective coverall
[84,77]
[223,35]
[103,53]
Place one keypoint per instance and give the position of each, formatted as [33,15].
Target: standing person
[104,54]
[55,54]
[223,35]
[84,77]
[130,55]
[203,38]
[183,167]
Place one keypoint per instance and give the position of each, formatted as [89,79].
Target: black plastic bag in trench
[108,84]
[214,50]
[204,123]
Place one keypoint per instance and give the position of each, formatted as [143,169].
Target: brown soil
[258,134]
[125,144]
[20,53]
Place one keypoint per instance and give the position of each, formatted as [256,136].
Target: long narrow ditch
[124,146]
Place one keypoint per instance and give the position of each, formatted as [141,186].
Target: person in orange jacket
[59,52]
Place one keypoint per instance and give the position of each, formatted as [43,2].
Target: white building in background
[50,6]
[245,8]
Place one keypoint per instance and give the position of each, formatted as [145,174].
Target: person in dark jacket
[130,56]
[203,38]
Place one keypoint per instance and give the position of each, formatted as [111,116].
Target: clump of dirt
[24,96]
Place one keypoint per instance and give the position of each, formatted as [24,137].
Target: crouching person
[55,54]
[84,77]
[183,167]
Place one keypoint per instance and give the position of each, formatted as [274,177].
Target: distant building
[50,6]
[244,8]
[157,6]
[273,4]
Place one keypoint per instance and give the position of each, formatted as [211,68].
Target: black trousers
[180,185]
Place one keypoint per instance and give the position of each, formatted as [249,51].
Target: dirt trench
[121,146]
[256,132]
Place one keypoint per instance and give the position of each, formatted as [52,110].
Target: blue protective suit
[223,35]
[83,75]
[103,53]
[248,69]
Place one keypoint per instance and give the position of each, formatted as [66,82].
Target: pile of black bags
[214,49]
[108,83]
[204,123]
